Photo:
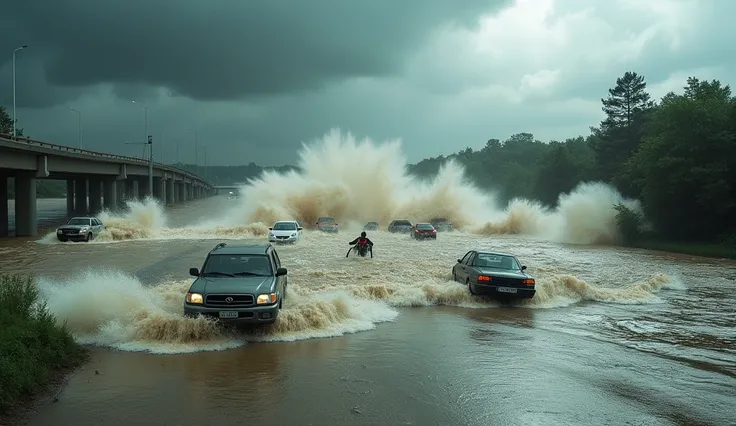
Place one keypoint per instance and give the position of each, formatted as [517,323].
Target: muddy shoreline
[23,410]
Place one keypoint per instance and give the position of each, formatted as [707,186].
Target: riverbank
[712,250]
[36,353]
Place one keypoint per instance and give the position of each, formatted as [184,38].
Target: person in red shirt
[362,242]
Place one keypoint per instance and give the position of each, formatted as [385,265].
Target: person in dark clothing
[361,241]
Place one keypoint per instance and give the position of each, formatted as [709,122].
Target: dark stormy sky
[255,79]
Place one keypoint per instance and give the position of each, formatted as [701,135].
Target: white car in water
[285,231]
[232,196]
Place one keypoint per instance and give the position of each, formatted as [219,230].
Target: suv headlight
[264,299]
[294,234]
[194,298]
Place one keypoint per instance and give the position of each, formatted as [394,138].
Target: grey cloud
[219,49]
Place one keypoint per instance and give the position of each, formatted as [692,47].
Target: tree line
[677,156]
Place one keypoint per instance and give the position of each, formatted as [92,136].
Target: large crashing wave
[360,181]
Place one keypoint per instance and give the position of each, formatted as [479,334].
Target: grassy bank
[34,349]
[694,249]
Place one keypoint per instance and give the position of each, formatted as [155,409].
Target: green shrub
[629,223]
[33,346]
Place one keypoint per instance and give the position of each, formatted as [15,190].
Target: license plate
[228,314]
[506,290]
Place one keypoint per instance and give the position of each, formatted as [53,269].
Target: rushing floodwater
[613,337]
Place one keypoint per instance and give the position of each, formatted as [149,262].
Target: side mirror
[270,229]
[335,224]
[299,229]
[280,272]
[459,260]
[194,272]
[523,268]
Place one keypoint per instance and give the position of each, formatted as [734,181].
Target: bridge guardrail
[33,142]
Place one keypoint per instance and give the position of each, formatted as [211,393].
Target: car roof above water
[494,253]
[260,249]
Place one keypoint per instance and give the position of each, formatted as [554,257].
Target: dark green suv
[243,284]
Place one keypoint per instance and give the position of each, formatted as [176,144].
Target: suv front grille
[223,300]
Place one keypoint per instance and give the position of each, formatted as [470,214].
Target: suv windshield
[284,226]
[78,222]
[237,265]
[326,220]
[402,223]
[424,226]
[496,261]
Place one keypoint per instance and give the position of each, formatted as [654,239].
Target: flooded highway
[613,336]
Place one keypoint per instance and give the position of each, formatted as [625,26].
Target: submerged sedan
[494,274]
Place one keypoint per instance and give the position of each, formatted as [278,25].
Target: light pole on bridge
[15,119]
[148,141]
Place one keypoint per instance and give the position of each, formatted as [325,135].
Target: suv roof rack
[221,245]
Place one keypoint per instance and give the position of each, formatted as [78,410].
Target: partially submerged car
[326,224]
[400,225]
[239,284]
[83,228]
[494,274]
[232,196]
[285,231]
[422,231]
[441,224]
[371,226]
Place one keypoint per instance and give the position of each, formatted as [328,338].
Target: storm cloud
[219,49]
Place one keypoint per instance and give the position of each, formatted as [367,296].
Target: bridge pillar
[80,195]
[158,189]
[69,197]
[120,187]
[4,206]
[143,188]
[110,194]
[26,221]
[131,189]
[182,188]
[95,196]
[170,193]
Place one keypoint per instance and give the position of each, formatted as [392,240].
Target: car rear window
[326,219]
[424,226]
[402,223]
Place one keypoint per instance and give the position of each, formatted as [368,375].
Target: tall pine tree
[627,108]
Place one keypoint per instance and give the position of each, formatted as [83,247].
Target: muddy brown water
[615,336]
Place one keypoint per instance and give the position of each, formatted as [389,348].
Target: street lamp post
[15,119]
[149,141]
[79,126]
[196,152]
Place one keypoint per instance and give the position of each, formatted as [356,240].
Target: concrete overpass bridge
[94,180]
